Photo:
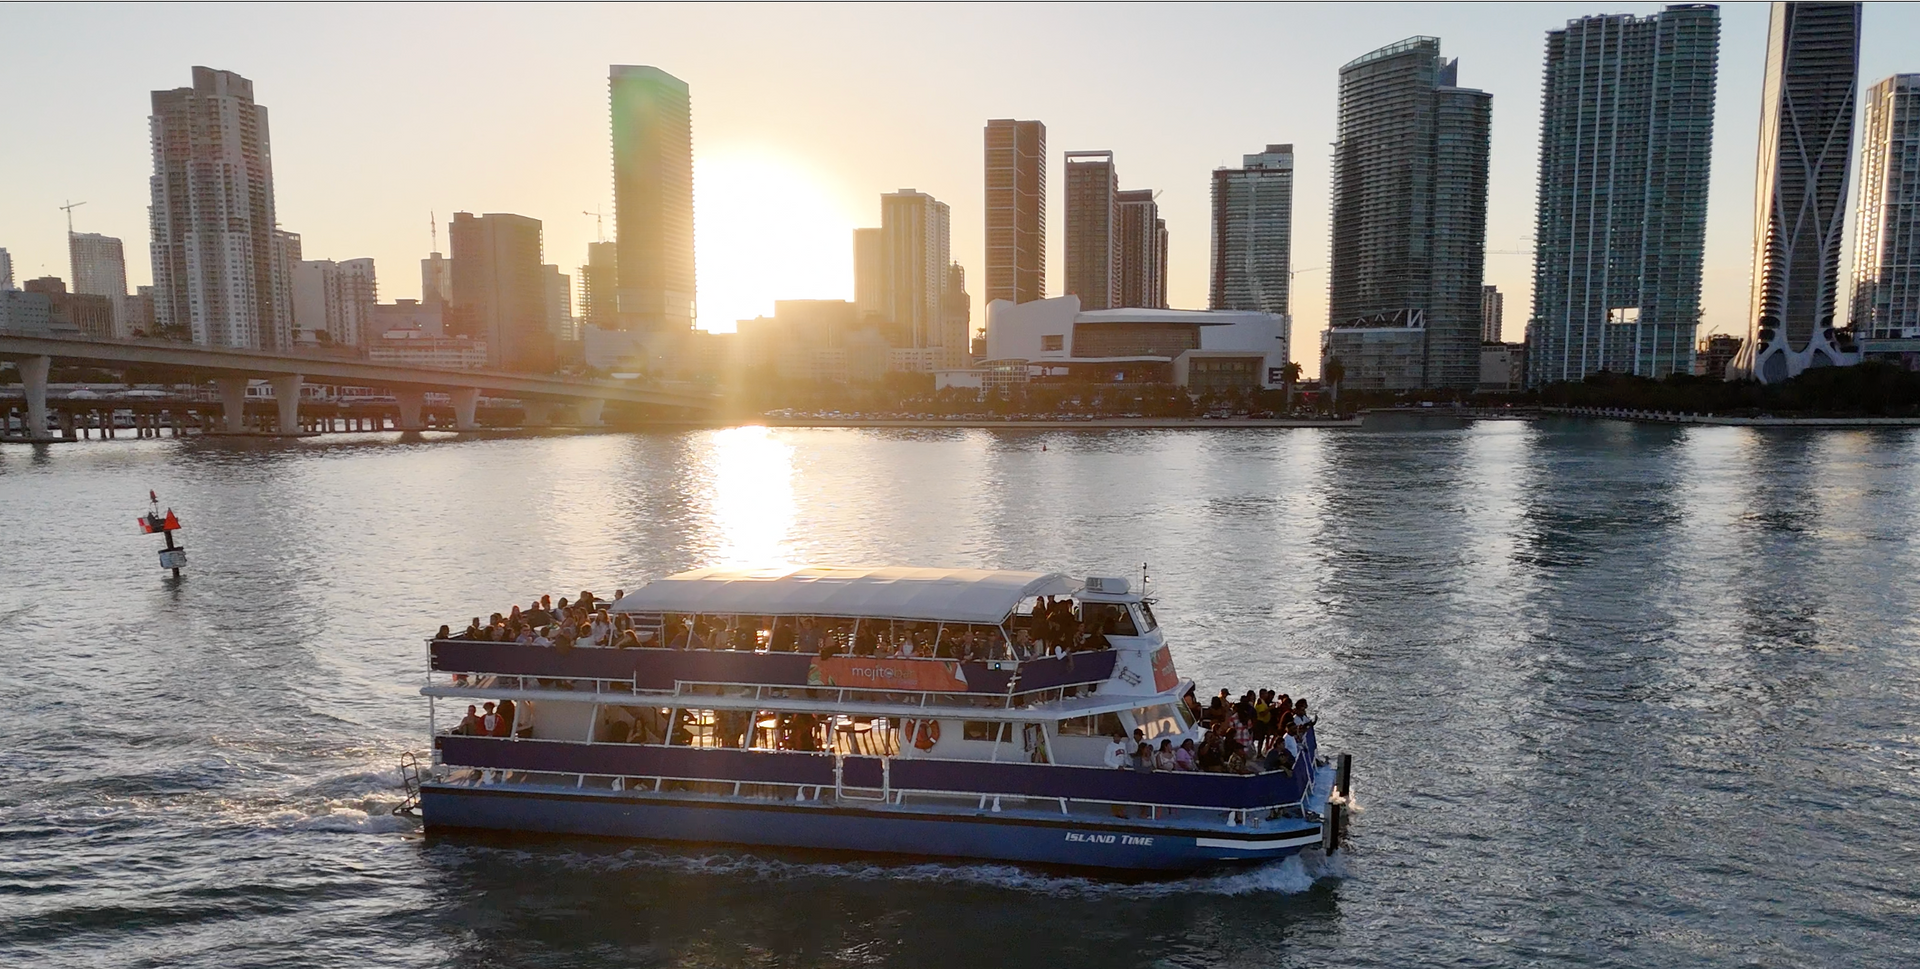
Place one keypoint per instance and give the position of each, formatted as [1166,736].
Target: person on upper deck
[537,616]
[444,633]
[1164,758]
[1117,750]
[1186,757]
[1300,717]
[1142,759]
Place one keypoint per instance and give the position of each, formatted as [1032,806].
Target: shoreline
[1104,423]
[1670,417]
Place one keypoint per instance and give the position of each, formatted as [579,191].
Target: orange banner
[888,674]
[1164,678]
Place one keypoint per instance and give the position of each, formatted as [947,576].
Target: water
[1618,695]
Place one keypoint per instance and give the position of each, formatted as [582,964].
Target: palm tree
[1290,375]
[1331,375]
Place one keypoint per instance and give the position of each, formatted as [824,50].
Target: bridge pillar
[589,412]
[412,401]
[233,400]
[33,373]
[466,400]
[536,413]
[286,396]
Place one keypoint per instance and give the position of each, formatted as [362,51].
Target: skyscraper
[1093,229]
[653,198]
[598,282]
[869,274]
[956,316]
[1016,168]
[500,289]
[1142,268]
[1252,251]
[286,256]
[1886,261]
[1493,311]
[1626,138]
[1806,147]
[213,217]
[359,294]
[916,234]
[333,302]
[1410,204]
[559,300]
[6,271]
[100,269]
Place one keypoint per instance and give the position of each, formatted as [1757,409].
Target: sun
[765,228]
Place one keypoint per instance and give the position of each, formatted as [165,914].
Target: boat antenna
[1143,580]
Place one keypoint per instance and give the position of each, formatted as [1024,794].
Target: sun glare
[765,229]
[752,496]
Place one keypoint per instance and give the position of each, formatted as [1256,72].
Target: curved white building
[1183,347]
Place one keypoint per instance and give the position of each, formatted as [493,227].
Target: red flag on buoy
[146,525]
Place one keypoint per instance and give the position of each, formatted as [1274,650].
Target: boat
[929,713]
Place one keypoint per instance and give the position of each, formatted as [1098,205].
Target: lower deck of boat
[1028,831]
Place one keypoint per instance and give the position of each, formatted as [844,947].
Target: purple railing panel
[633,760]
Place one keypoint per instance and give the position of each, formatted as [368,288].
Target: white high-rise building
[334,302]
[214,266]
[1886,261]
[916,235]
[1806,147]
[1253,233]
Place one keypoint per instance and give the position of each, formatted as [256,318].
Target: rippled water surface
[1618,695]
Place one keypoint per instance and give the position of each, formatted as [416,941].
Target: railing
[666,670]
[1236,796]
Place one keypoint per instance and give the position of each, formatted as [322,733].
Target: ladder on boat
[409,779]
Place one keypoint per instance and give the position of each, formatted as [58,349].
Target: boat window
[1109,617]
[1099,725]
[1159,720]
[1147,622]
[982,730]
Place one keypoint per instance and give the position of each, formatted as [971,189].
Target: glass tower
[1016,164]
[1410,204]
[652,198]
[1253,234]
[1626,137]
[1886,281]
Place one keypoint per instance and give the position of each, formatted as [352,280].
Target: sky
[384,116]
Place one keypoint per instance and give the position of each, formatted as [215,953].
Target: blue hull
[1078,842]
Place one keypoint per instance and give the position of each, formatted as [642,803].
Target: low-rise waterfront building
[1135,345]
[1386,351]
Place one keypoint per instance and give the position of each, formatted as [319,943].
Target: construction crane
[599,229]
[68,208]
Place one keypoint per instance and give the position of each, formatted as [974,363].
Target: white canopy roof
[932,595]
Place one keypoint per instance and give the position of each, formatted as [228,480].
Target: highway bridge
[543,397]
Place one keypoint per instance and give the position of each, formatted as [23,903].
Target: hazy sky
[802,117]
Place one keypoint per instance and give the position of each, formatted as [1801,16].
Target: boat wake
[1290,876]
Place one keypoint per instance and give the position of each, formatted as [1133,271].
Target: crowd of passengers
[1262,731]
[1049,627]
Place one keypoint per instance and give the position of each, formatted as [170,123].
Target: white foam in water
[1290,876]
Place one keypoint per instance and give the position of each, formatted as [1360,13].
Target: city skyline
[372,202]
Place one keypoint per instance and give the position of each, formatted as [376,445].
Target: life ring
[923,733]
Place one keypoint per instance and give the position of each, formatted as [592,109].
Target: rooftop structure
[932,595]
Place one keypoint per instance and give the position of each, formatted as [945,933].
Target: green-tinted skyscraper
[653,198]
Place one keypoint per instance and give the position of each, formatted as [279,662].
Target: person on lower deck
[1117,750]
[469,724]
